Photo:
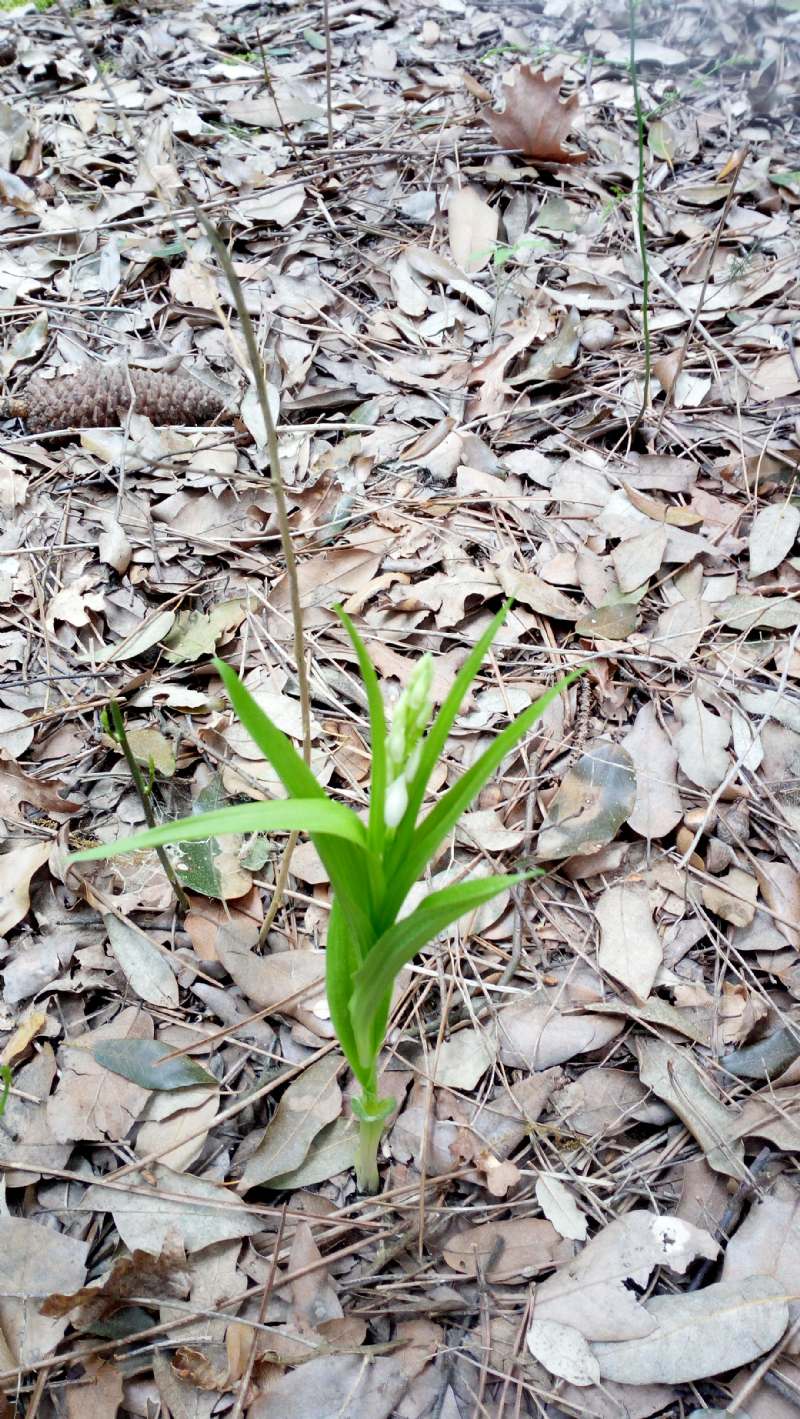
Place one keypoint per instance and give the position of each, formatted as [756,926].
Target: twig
[640,226]
[670,393]
[761,1370]
[236,1412]
[328,97]
[143,792]
[732,1213]
[273,95]
[259,377]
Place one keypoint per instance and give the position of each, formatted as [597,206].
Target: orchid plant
[372,865]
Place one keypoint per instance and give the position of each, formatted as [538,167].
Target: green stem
[372,1113]
[120,734]
[640,226]
[369,1136]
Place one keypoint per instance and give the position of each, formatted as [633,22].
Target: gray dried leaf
[500,1250]
[657,807]
[150,975]
[310,1102]
[160,1204]
[563,1351]
[700,1333]
[537,1036]
[592,1293]
[772,536]
[594,799]
[630,947]
[701,743]
[672,1074]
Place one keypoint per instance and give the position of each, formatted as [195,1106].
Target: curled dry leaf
[140,1274]
[535,121]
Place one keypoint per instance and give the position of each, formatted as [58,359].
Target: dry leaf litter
[589,1189]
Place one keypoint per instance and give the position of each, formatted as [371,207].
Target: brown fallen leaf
[535,121]
[523,1247]
[137,1275]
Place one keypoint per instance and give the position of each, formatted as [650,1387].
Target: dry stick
[259,377]
[670,393]
[328,97]
[120,734]
[639,211]
[276,477]
[236,1412]
[273,95]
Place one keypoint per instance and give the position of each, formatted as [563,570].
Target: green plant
[372,866]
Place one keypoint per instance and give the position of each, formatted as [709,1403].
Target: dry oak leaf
[535,121]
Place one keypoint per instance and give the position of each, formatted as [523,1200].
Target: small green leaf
[138,1060]
[342,960]
[436,738]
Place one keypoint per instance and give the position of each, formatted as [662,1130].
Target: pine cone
[100,398]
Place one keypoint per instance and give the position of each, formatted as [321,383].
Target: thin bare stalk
[639,210]
[257,367]
[271,90]
[326,18]
[143,793]
[670,393]
[276,478]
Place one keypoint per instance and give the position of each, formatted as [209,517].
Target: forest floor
[589,1200]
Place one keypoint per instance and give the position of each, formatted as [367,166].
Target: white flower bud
[395,803]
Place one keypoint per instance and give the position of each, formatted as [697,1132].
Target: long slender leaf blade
[346,870]
[293,771]
[377,725]
[306,815]
[397,946]
[342,961]
[403,872]
[436,738]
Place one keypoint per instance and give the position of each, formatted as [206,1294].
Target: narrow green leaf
[402,872]
[436,738]
[140,1061]
[303,815]
[342,961]
[397,946]
[377,726]
[350,874]
[294,772]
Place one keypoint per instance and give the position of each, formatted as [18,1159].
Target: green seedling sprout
[371,866]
